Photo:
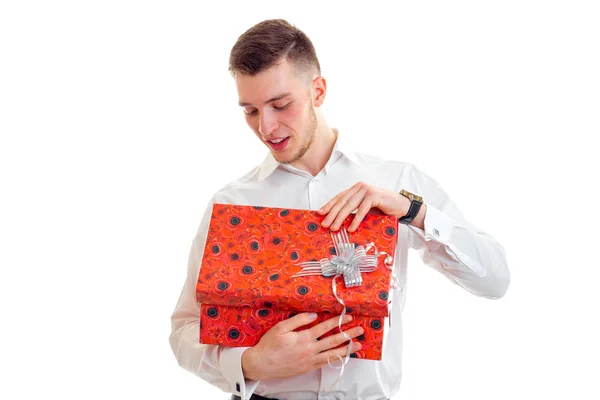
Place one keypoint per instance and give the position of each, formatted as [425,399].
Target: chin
[286,157]
[282,159]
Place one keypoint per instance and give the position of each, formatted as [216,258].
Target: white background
[119,119]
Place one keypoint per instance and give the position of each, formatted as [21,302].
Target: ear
[319,90]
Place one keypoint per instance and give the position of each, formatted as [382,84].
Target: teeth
[276,141]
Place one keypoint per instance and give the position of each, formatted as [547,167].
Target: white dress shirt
[449,244]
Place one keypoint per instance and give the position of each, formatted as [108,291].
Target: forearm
[447,242]
[220,366]
[200,359]
[467,256]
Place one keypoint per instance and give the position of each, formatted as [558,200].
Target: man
[309,166]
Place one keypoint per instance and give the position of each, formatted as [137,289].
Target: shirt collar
[267,167]
[270,164]
[342,146]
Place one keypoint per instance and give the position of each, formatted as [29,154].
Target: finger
[347,209]
[333,212]
[337,208]
[339,202]
[333,341]
[363,209]
[325,209]
[323,357]
[329,205]
[297,321]
[325,326]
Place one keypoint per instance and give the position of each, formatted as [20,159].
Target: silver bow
[349,261]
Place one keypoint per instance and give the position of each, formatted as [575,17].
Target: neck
[319,152]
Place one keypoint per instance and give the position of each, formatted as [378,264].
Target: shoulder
[227,192]
[366,160]
[404,174]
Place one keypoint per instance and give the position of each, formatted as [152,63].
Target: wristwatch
[415,205]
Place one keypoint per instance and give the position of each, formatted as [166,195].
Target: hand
[281,352]
[362,197]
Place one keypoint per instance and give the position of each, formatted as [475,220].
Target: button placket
[313,192]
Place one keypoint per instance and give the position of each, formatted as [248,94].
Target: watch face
[411,196]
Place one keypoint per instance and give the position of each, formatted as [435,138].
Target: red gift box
[247,281]
[244,326]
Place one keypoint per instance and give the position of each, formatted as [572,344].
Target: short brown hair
[261,46]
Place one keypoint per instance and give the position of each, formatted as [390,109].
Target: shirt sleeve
[218,365]
[465,254]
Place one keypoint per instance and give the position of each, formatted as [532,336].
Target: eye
[282,108]
[253,112]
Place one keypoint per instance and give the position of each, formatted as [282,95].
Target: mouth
[278,144]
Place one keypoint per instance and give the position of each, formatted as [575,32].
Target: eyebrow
[279,97]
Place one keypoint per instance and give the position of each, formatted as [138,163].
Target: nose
[267,123]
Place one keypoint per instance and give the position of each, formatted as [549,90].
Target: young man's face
[278,108]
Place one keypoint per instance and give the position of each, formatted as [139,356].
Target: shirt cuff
[438,226]
[230,363]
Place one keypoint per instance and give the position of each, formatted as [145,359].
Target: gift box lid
[253,254]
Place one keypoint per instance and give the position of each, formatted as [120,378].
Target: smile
[278,144]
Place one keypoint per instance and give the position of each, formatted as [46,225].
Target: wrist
[249,365]
[412,209]
[419,220]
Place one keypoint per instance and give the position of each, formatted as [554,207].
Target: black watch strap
[412,213]
[413,210]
